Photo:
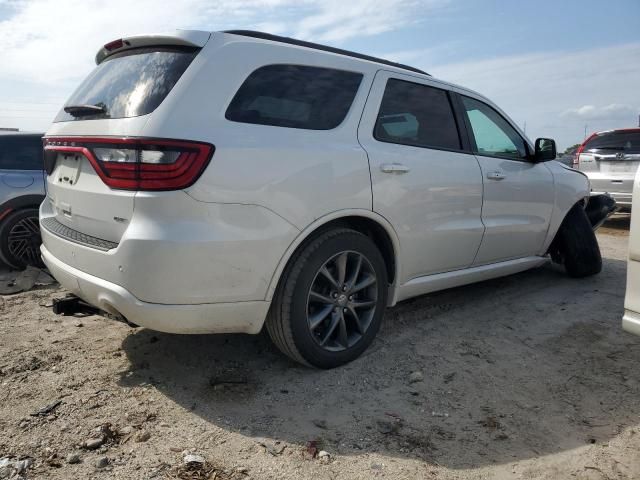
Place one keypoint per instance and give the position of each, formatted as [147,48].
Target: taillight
[576,156]
[136,163]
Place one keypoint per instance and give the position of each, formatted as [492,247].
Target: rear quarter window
[295,96]
[21,152]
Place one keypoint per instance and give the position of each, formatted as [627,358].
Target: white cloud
[55,40]
[543,89]
[613,111]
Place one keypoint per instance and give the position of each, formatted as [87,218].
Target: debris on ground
[47,409]
[416,377]
[23,280]
[11,467]
[105,433]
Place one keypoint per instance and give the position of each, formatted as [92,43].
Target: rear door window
[613,142]
[130,83]
[417,115]
[21,152]
[295,96]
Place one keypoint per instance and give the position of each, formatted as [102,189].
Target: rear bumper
[631,322]
[619,187]
[232,317]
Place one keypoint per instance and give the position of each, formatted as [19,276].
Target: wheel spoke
[335,320]
[341,263]
[366,282]
[356,272]
[356,319]
[363,304]
[31,225]
[17,248]
[15,235]
[317,318]
[318,297]
[343,336]
[327,274]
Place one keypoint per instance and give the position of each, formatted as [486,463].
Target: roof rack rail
[324,48]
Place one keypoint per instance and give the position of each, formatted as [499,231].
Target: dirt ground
[528,376]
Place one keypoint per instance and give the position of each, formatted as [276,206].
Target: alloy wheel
[342,301]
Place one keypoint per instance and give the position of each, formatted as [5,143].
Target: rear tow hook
[72,305]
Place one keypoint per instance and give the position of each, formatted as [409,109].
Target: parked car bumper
[622,199]
[631,322]
[236,317]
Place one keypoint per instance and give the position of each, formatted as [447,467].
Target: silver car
[610,160]
[21,193]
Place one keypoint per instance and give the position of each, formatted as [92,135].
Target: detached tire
[331,299]
[20,239]
[577,245]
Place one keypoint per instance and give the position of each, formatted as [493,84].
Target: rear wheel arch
[20,203]
[366,222]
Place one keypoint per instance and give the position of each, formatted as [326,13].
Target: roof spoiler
[185,38]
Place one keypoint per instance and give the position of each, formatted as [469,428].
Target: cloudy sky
[559,67]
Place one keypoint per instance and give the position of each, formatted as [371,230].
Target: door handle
[394,168]
[496,176]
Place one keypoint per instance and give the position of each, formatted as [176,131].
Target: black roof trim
[324,48]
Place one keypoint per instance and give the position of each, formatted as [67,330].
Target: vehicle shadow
[512,368]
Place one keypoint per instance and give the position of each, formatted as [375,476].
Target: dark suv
[21,192]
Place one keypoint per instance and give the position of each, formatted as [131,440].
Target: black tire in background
[290,318]
[576,245]
[20,239]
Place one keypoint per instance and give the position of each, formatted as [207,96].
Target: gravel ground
[528,376]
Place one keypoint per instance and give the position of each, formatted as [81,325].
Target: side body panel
[516,211]
[571,187]
[435,207]
[300,174]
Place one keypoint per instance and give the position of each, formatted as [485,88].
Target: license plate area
[68,168]
[618,167]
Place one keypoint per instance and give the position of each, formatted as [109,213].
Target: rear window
[620,141]
[130,83]
[21,152]
[295,96]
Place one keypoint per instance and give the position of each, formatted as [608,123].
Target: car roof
[324,48]
[616,130]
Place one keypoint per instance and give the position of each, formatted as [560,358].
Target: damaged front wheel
[576,245]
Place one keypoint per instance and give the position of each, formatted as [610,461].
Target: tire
[576,245]
[20,239]
[306,294]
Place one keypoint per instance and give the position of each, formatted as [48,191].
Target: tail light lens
[136,163]
[576,156]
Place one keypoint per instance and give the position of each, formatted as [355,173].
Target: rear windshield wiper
[84,110]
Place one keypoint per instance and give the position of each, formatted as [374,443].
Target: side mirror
[545,149]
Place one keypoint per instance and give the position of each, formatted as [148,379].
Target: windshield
[620,141]
[129,84]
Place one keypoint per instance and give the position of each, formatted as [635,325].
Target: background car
[610,160]
[21,192]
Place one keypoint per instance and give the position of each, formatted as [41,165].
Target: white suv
[216,182]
